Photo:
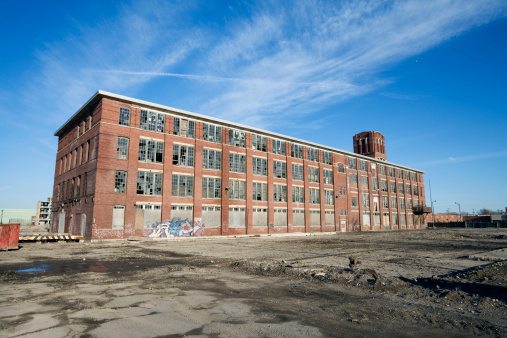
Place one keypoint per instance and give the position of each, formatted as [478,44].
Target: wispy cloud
[288,59]
[460,159]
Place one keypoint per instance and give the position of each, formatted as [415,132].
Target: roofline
[101,93]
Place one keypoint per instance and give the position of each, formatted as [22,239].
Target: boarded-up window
[260,217]
[298,217]
[211,216]
[329,217]
[315,218]
[183,212]
[118,217]
[280,217]
[237,217]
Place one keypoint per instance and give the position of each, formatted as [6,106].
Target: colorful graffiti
[175,228]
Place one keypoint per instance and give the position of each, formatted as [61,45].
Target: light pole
[433,211]
[459,207]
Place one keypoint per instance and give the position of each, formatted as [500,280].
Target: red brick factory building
[127,167]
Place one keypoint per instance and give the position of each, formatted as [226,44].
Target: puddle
[66,267]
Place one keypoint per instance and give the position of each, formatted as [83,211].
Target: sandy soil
[410,283]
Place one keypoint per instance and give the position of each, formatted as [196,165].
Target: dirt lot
[410,283]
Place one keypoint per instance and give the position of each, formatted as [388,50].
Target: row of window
[74,187]
[385,202]
[402,187]
[75,158]
[184,127]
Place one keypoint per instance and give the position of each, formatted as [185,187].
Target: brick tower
[370,143]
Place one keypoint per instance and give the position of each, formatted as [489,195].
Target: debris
[353,262]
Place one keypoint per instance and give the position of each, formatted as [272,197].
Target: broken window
[366,200]
[212,159]
[298,194]
[409,189]
[237,163]
[183,155]
[409,203]
[414,177]
[297,172]
[259,166]
[400,173]
[353,201]
[353,179]
[237,189]
[382,170]
[182,186]
[184,127]
[313,174]
[374,183]
[352,163]
[394,205]
[393,187]
[329,197]
[296,150]
[400,188]
[122,150]
[340,168]
[279,147]
[391,172]
[280,192]
[383,185]
[151,151]
[236,138]
[260,191]
[328,176]
[416,191]
[385,202]
[149,183]
[259,143]
[313,154]
[124,117]
[363,165]
[120,182]
[279,169]
[152,121]
[402,203]
[364,181]
[314,196]
[327,157]
[211,133]
[211,187]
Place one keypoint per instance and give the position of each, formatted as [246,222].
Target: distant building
[127,167]
[23,216]
[443,218]
[43,215]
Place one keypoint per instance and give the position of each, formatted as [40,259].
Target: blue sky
[430,75]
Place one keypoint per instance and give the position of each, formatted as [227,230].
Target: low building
[443,218]
[22,216]
[43,212]
[127,167]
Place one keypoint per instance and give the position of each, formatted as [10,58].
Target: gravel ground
[405,283]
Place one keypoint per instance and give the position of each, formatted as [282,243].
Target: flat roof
[101,94]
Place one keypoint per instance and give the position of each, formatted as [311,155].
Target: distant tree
[499,211]
[485,211]
[465,213]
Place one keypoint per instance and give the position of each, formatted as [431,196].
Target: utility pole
[459,207]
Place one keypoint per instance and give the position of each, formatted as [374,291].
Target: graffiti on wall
[176,227]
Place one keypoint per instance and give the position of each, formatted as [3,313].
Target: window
[279,169]
[395,218]
[78,130]
[236,163]
[353,178]
[259,166]
[149,183]
[182,186]
[353,201]
[296,150]
[391,172]
[364,180]
[184,127]
[183,155]
[260,191]
[414,177]
[211,133]
[400,173]
[91,120]
[118,217]
[400,188]
[297,172]
[313,154]
[328,197]
[278,147]
[362,165]
[340,168]
[327,157]
[236,189]
[236,138]
[393,187]
[366,201]
[394,205]
[211,187]
[409,189]
[383,185]
[124,117]
[409,203]
[416,191]
[152,121]
[151,151]
[280,192]
[352,163]
[382,170]
[385,202]
[313,174]
[211,159]
[122,150]
[259,143]
[342,190]
[314,196]
[120,182]
[374,183]
[328,176]
[298,194]
[402,203]
[407,175]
